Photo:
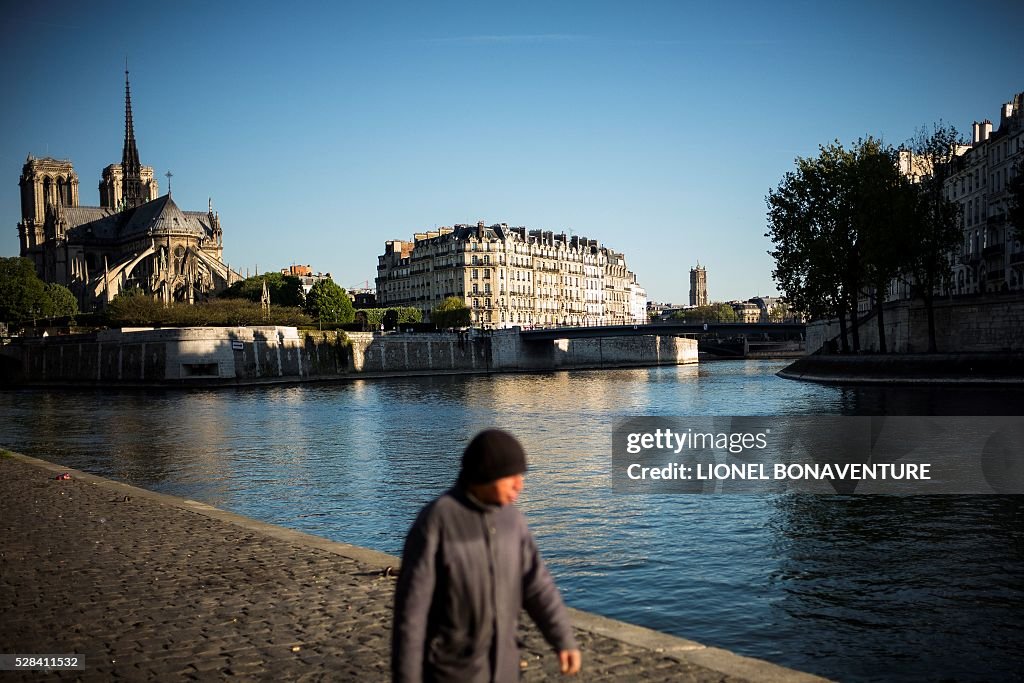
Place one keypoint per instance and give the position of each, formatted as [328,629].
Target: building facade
[511,277]
[698,286]
[991,259]
[134,239]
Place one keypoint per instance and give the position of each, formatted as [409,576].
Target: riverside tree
[24,297]
[452,312]
[934,231]
[285,290]
[883,208]
[850,221]
[327,302]
[816,245]
[62,302]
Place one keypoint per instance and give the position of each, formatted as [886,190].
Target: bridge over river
[721,339]
[774,331]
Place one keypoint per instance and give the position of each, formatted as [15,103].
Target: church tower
[130,165]
[698,286]
[128,184]
[45,183]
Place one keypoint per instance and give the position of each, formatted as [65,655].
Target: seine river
[853,588]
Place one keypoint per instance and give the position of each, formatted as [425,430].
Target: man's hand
[570,661]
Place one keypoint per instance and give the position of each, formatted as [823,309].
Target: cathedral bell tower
[128,184]
[130,165]
[45,184]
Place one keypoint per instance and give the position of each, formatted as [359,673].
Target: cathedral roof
[77,215]
[158,217]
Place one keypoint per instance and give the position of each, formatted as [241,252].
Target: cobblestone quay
[146,586]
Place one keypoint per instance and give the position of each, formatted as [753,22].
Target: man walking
[469,566]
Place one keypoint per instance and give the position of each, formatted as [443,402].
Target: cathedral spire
[130,165]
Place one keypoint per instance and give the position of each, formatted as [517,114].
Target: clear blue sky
[323,129]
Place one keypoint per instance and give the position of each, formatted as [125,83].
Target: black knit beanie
[491,455]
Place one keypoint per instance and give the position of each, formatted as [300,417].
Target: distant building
[772,309]
[637,296]
[306,276]
[511,276]
[991,259]
[134,239]
[698,286]
[363,298]
[746,311]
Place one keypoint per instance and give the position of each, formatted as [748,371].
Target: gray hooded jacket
[468,569]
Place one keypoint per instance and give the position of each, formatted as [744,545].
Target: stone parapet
[966,324]
[255,355]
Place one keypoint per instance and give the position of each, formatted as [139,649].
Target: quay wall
[254,355]
[196,355]
[982,324]
[372,352]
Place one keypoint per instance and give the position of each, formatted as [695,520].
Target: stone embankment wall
[418,353]
[250,355]
[176,355]
[992,323]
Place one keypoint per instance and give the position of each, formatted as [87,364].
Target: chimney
[986,130]
[975,133]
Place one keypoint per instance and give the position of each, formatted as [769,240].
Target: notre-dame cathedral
[134,239]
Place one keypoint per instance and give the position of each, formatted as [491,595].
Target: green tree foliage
[843,224]
[135,308]
[452,312]
[848,222]
[62,302]
[815,248]
[403,314]
[712,313]
[285,290]
[727,314]
[883,207]
[933,233]
[328,302]
[23,295]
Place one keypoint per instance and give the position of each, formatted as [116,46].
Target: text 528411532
[18,662]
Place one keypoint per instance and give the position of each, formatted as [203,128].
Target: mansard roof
[487,232]
[160,217]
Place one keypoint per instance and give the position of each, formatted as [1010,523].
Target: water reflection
[924,575]
[846,587]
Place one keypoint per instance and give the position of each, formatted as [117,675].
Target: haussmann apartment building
[511,277]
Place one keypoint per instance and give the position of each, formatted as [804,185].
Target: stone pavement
[151,587]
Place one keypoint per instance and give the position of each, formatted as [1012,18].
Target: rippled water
[854,588]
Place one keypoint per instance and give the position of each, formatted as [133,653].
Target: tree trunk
[855,320]
[929,306]
[881,323]
[844,342]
